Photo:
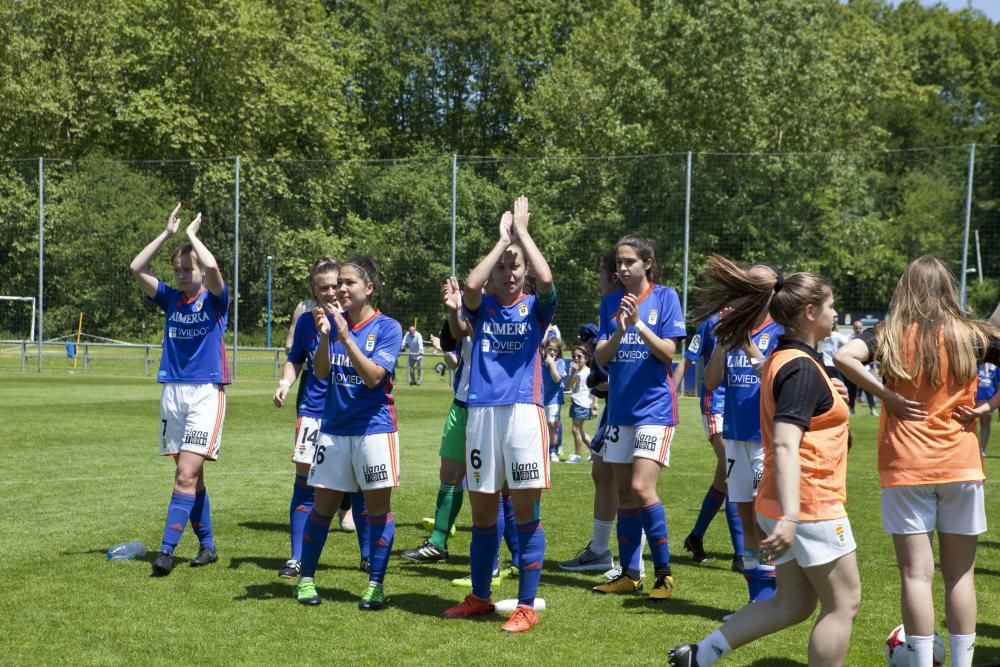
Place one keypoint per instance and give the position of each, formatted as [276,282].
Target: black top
[596,377]
[800,388]
[990,355]
[448,342]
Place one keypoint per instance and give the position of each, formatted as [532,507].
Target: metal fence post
[454,201]
[41,258]
[236,273]
[24,355]
[687,231]
[145,362]
[968,220]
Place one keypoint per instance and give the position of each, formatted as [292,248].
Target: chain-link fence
[69,229]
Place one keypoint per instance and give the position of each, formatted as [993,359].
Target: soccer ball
[895,649]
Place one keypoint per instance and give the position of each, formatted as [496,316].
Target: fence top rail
[141,346]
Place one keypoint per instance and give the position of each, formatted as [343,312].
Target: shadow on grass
[776,662]
[266,525]
[980,571]
[285,591]
[989,543]
[272,564]
[425,605]
[675,606]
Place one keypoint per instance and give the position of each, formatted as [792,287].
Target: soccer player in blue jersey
[358,445]
[310,403]
[194,371]
[506,438]
[712,408]
[746,335]
[641,325]
[989,383]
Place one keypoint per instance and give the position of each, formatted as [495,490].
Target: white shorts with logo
[306,434]
[744,466]
[816,542]
[956,507]
[350,463]
[649,441]
[191,417]
[712,423]
[506,442]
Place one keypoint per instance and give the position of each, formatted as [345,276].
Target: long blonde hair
[924,309]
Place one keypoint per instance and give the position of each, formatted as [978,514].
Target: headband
[360,270]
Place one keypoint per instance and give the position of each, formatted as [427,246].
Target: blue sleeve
[694,349]
[672,319]
[390,338]
[221,302]
[604,327]
[298,352]
[163,295]
[545,307]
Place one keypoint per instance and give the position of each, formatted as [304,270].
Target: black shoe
[737,563]
[685,655]
[697,549]
[428,552]
[163,564]
[205,556]
[366,565]
[290,570]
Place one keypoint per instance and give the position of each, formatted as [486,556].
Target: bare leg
[915,558]
[838,587]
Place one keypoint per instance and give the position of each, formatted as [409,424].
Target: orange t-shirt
[934,450]
[822,452]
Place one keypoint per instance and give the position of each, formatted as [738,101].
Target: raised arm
[140,265]
[851,360]
[451,297]
[472,294]
[209,267]
[543,274]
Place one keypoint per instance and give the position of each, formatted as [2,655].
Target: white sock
[920,648]
[713,648]
[962,648]
[642,550]
[602,535]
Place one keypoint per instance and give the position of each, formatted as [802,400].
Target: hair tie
[779,281]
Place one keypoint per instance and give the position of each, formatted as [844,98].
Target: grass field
[81,472]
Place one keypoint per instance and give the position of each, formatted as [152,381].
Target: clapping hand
[194,226]
[451,295]
[628,312]
[521,215]
[506,227]
[173,222]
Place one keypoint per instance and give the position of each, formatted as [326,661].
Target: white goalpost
[31,299]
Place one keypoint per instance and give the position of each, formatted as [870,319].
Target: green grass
[81,472]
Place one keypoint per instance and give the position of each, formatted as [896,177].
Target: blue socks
[313,538]
[360,515]
[735,526]
[303,497]
[383,530]
[531,541]
[510,530]
[654,522]
[765,583]
[482,552]
[201,519]
[178,513]
[710,506]
[630,540]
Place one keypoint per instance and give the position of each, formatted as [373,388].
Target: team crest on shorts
[695,344]
[522,309]
[841,534]
[475,473]
[653,316]
[765,340]
[370,343]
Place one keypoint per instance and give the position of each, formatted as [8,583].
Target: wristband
[639,326]
[284,383]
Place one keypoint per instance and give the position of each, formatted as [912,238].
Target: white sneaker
[616,572]
[553,457]
[347,521]
[574,458]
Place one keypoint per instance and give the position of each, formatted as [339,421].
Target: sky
[989,7]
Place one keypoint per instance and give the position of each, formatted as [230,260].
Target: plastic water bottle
[127,551]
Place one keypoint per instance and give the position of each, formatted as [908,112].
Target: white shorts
[506,442]
[744,466]
[649,441]
[712,424]
[350,463]
[306,434]
[956,507]
[552,412]
[191,417]
[816,542]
